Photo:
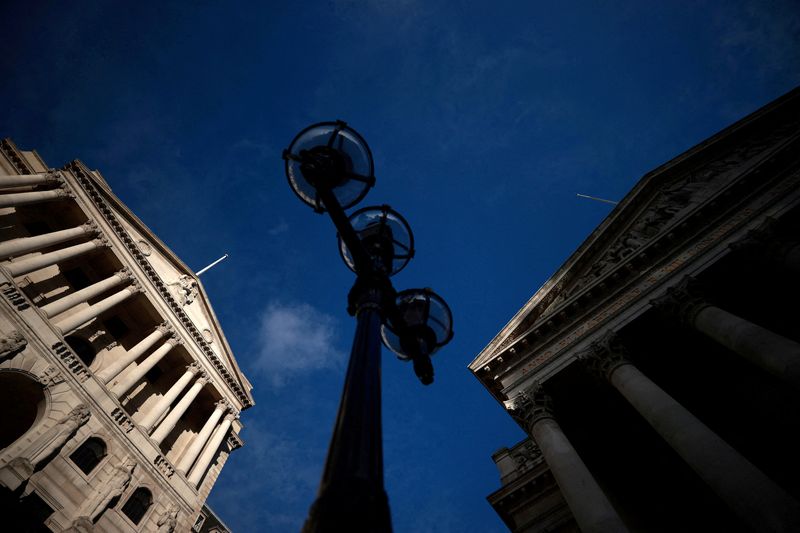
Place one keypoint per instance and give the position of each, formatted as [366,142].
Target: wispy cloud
[295,338]
[277,229]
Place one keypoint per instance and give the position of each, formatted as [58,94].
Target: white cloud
[294,339]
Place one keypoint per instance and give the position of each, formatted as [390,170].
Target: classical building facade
[657,372]
[120,394]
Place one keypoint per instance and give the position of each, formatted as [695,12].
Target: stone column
[168,424]
[752,496]
[210,451]
[113,370]
[31,264]
[136,374]
[29,180]
[24,245]
[775,354]
[589,505]
[187,460]
[85,315]
[35,197]
[78,297]
[152,416]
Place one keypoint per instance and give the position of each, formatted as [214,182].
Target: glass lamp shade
[386,237]
[332,156]
[423,324]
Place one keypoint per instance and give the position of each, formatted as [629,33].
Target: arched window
[89,454]
[137,504]
[82,348]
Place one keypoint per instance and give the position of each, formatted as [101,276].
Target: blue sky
[484,118]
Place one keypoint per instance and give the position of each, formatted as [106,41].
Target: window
[198,524]
[89,454]
[138,504]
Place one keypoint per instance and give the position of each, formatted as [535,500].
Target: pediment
[177,285]
[658,206]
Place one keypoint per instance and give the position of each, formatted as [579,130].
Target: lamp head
[386,237]
[331,156]
[420,324]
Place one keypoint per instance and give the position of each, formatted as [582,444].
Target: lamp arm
[346,230]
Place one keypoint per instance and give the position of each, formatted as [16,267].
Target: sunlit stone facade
[120,394]
[657,372]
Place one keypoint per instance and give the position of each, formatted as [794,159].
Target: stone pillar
[29,180]
[31,264]
[168,424]
[752,496]
[187,460]
[775,354]
[589,505]
[113,370]
[35,197]
[152,416]
[134,375]
[85,315]
[78,297]
[24,245]
[210,451]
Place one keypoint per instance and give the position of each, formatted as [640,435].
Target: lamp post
[329,166]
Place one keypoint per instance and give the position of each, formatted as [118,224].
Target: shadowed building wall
[657,372]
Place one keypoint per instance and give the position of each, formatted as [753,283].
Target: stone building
[120,394]
[657,372]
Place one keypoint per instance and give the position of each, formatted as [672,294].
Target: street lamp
[329,167]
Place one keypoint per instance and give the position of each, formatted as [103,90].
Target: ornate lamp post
[330,168]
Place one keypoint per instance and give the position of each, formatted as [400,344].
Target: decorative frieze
[12,344]
[50,377]
[71,361]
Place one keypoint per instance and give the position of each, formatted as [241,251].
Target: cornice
[12,153]
[82,175]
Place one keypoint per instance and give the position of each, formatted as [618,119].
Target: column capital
[124,274]
[605,355]
[223,405]
[90,226]
[164,327]
[135,286]
[203,378]
[532,405]
[101,241]
[53,176]
[64,192]
[682,301]
[174,339]
[193,367]
[233,415]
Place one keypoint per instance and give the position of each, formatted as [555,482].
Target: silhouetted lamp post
[330,168]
